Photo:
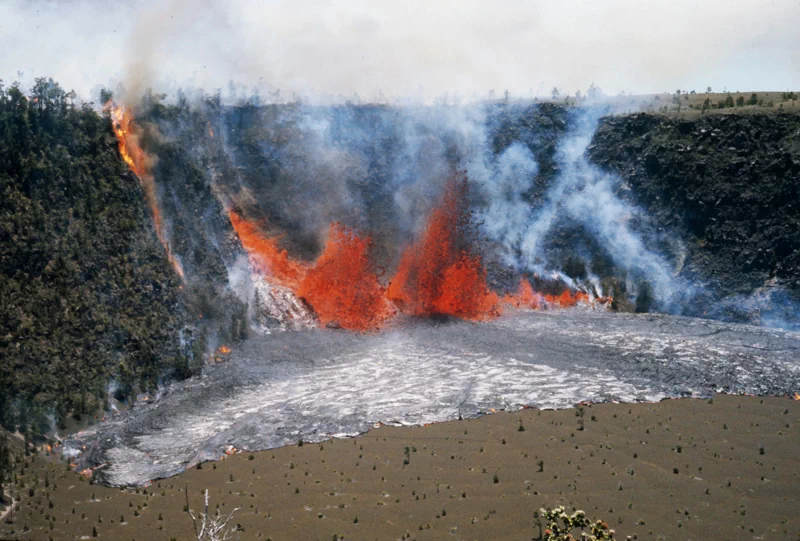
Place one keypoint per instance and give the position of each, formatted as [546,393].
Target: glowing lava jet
[438,274]
[341,286]
[139,162]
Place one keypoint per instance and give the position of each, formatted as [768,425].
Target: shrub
[559,526]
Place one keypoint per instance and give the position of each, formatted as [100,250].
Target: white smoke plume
[378,49]
[588,196]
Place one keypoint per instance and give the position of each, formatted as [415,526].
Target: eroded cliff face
[727,184]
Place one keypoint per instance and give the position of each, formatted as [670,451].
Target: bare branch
[214,528]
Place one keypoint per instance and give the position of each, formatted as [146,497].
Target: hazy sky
[403,48]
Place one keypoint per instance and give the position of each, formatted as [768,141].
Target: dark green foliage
[86,292]
[5,463]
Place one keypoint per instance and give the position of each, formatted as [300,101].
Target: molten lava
[567,299]
[266,256]
[342,287]
[526,297]
[437,275]
[139,162]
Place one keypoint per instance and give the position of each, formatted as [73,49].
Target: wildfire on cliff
[438,274]
[139,162]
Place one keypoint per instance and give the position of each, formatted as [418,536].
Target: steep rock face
[729,184]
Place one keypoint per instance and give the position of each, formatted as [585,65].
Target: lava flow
[525,296]
[139,162]
[437,275]
[266,256]
[342,287]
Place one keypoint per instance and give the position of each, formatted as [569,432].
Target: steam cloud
[453,52]
[399,50]
[380,169]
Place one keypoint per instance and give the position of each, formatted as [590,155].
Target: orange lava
[525,297]
[266,256]
[139,162]
[342,287]
[567,299]
[436,275]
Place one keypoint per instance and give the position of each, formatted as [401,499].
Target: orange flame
[265,255]
[797,396]
[342,287]
[139,162]
[436,274]
[527,297]
[224,350]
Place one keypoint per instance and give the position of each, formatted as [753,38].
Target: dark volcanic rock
[730,184]
[312,385]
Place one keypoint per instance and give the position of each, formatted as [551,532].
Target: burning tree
[210,528]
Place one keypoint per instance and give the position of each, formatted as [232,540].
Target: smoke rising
[399,50]
[380,170]
[588,195]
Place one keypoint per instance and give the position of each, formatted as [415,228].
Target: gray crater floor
[315,384]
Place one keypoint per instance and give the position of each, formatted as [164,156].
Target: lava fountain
[438,275]
[341,287]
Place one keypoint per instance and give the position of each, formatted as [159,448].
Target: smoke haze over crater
[403,49]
